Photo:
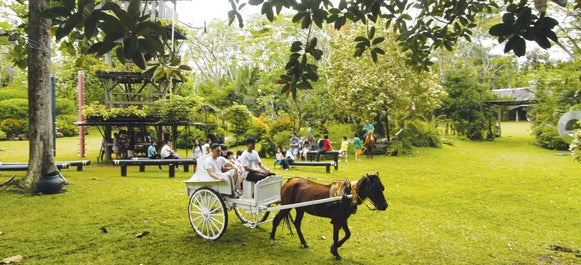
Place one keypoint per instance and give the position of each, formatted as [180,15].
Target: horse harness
[338,189]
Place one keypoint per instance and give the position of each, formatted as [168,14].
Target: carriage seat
[202,178]
[265,191]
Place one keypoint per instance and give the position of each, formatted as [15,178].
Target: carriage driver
[254,169]
[368,127]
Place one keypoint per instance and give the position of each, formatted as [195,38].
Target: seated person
[152,152]
[288,159]
[254,169]
[221,169]
[279,157]
[167,152]
[326,146]
[307,146]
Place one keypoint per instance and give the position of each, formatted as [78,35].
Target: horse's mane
[356,187]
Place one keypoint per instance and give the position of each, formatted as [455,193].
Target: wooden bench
[24,167]
[79,164]
[312,155]
[142,162]
[314,164]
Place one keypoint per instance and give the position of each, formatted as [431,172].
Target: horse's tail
[288,220]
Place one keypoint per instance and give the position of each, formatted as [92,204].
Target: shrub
[548,137]
[336,131]
[15,108]
[14,127]
[65,125]
[281,139]
[575,147]
[12,93]
[98,112]
[402,144]
[65,106]
[179,109]
[421,134]
[186,139]
[267,148]
[3,135]
[282,124]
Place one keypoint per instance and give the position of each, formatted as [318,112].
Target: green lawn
[500,202]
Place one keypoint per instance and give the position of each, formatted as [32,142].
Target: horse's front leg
[347,234]
[279,217]
[336,242]
[298,220]
[335,246]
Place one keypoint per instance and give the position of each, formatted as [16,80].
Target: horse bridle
[356,195]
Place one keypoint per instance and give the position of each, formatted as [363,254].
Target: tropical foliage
[466,106]
[261,80]
[575,146]
[558,91]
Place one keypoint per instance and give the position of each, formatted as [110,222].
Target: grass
[500,202]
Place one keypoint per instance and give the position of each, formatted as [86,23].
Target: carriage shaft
[301,204]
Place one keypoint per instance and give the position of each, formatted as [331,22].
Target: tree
[436,24]
[387,90]
[557,92]
[239,118]
[466,104]
[41,157]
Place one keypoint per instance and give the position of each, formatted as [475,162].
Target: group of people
[221,165]
[166,151]
[301,147]
[123,144]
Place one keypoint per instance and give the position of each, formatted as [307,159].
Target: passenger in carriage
[254,169]
[238,165]
[221,169]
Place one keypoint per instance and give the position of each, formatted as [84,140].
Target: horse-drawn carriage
[210,201]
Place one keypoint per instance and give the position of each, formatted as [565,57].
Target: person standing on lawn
[357,146]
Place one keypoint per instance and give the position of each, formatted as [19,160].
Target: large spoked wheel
[208,214]
[251,217]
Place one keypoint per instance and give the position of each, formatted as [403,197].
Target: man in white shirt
[254,169]
[221,169]
[166,151]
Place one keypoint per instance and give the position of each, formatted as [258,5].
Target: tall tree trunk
[41,157]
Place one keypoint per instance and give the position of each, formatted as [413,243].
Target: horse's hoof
[272,243]
[335,252]
[305,246]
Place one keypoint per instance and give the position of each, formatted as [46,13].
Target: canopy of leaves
[387,88]
[466,105]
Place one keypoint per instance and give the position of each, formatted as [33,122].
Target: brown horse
[298,190]
[369,144]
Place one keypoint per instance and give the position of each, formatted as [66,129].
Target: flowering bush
[98,112]
[575,146]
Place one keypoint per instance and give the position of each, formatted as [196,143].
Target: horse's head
[371,187]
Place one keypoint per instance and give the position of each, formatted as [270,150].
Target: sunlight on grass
[494,202]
